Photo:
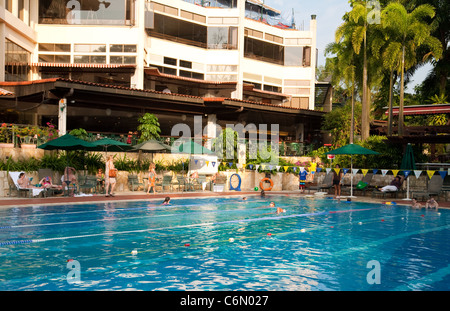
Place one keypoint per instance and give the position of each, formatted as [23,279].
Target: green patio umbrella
[151,146]
[67,142]
[191,147]
[108,144]
[408,163]
[352,149]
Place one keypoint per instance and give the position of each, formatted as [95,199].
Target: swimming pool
[224,244]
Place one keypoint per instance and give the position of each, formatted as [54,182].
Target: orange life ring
[261,184]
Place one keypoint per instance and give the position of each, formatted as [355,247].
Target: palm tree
[409,31]
[343,68]
[355,28]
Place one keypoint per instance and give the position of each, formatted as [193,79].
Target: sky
[329,17]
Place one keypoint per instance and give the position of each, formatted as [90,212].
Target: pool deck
[7,202]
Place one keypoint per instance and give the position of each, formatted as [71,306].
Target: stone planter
[28,146]
[6,145]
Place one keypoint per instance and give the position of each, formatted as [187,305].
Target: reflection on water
[187,246]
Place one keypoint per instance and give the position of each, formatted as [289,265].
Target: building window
[263,51]
[185,64]
[16,62]
[222,38]
[123,48]
[293,56]
[170,61]
[53,47]
[90,48]
[177,30]
[190,74]
[89,59]
[272,88]
[86,12]
[126,60]
[51,58]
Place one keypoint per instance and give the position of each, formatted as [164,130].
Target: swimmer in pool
[166,201]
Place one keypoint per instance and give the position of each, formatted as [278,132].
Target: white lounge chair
[32,192]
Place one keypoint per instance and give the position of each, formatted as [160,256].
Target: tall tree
[437,80]
[355,28]
[409,31]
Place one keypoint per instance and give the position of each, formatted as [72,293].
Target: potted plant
[6,136]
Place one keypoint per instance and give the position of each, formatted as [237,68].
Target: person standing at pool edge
[337,176]
[302,179]
[110,176]
[151,178]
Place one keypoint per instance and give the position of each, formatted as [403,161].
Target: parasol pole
[407,190]
[351,178]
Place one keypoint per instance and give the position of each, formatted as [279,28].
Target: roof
[421,109]
[121,91]
[4,92]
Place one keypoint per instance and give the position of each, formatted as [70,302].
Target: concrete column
[211,130]
[2,48]
[239,92]
[62,116]
[313,31]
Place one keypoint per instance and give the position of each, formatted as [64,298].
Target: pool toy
[302,230]
[269,234]
[390,203]
[187,244]
[231,239]
[261,184]
[256,188]
[134,252]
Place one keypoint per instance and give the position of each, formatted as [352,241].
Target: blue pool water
[318,244]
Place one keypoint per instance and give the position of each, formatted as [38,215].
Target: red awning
[422,109]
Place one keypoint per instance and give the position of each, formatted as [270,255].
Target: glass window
[293,56]
[16,62]
[263,51]
[90,48]
[52,47]
[123,48]
[50,58]
[129,59]
[170,61]
[86,12]
[217,37]
[185,64]
[89,59]
[177,30]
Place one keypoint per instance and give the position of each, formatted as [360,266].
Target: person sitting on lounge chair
[395,185]
[24,182]
[46,182]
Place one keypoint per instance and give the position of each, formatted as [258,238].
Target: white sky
[329,17]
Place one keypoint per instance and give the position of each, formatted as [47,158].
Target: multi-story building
[231,57]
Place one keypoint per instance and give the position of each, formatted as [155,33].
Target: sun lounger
[32,192]
[434,188]
[327,183]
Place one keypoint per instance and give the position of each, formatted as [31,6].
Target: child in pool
[166,201]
